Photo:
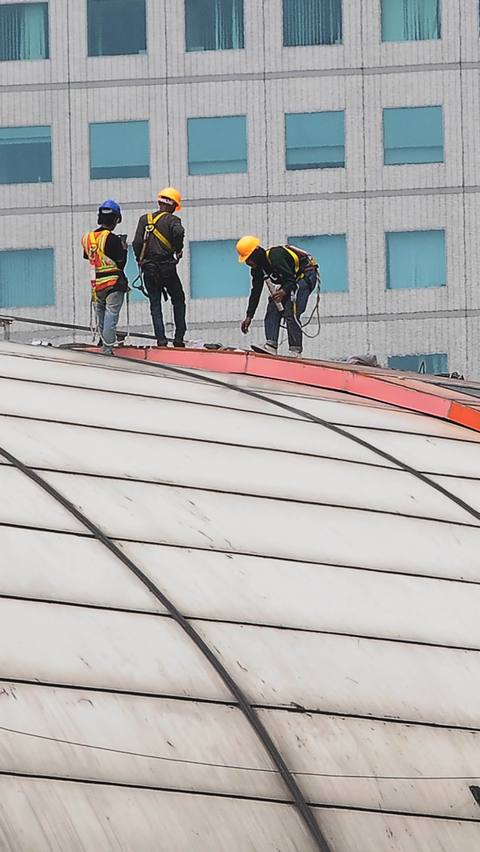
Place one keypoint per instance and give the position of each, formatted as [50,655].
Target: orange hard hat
[246,246]
[172,195]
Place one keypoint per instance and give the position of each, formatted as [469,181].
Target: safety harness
[302,262]
[150,228]
[302,259]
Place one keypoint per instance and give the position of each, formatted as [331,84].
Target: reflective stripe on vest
[106,269]
[150,228]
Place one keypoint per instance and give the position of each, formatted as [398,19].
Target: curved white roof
[235,613]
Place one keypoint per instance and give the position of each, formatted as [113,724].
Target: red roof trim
[400,390]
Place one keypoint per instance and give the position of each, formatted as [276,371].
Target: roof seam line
[235,690]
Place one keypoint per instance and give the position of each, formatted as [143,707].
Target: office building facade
[349,128]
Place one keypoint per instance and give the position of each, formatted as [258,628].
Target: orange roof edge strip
[340,377]
[465,416]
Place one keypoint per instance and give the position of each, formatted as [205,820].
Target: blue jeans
[108,312]
[160,277]
[273,315]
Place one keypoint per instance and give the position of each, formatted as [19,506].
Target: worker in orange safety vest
[107,254]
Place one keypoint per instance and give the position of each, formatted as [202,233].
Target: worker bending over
[158,246]
[294,272]
[107,254]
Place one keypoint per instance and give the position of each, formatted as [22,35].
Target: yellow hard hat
[173,195]
[246,246]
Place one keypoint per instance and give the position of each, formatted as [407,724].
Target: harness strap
[151,229]
[296,258]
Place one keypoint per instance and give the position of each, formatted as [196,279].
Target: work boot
[269,348]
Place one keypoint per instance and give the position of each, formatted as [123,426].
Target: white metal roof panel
[243,516]
[102,648]
[88,816]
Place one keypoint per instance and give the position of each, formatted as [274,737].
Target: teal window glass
[131,271]
[411,20]
[413,135]
[215,25]
[315,140]
[27,278]
[433,363]
[25,155]
[217,145]
[116,27]
[415,259]
[312,22]
[330,252]
[215,272]
[119,149]
[23,31]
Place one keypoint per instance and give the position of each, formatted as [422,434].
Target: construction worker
[294,274]
[107,254]
[158,246]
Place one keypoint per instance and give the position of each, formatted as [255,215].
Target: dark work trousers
[291,314]
[158,277]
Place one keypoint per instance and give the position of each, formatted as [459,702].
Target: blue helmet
[110,206]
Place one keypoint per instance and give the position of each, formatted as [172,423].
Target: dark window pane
[24,31]
[411,20]
[27,278]
[217,145]
[315,140]
[312,22]
[214,25]
[25,155]
[119,149]
[116,27]
[432,363]
[413,135]
[415,259]
[207,278]
[330,252]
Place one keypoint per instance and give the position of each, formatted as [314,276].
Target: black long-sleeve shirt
[170,226]
[281,267]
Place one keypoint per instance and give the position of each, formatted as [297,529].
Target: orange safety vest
[104,270]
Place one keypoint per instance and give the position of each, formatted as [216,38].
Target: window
[432,364]
[315,140]
[215,25]
[214,271]
[23,31]
[312,22]
[410,20]
[217,145]
[131,271]
[116,27]
[25,155]
[27,278]
[413,135]
[330,252]
[119,149]
[415,259]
